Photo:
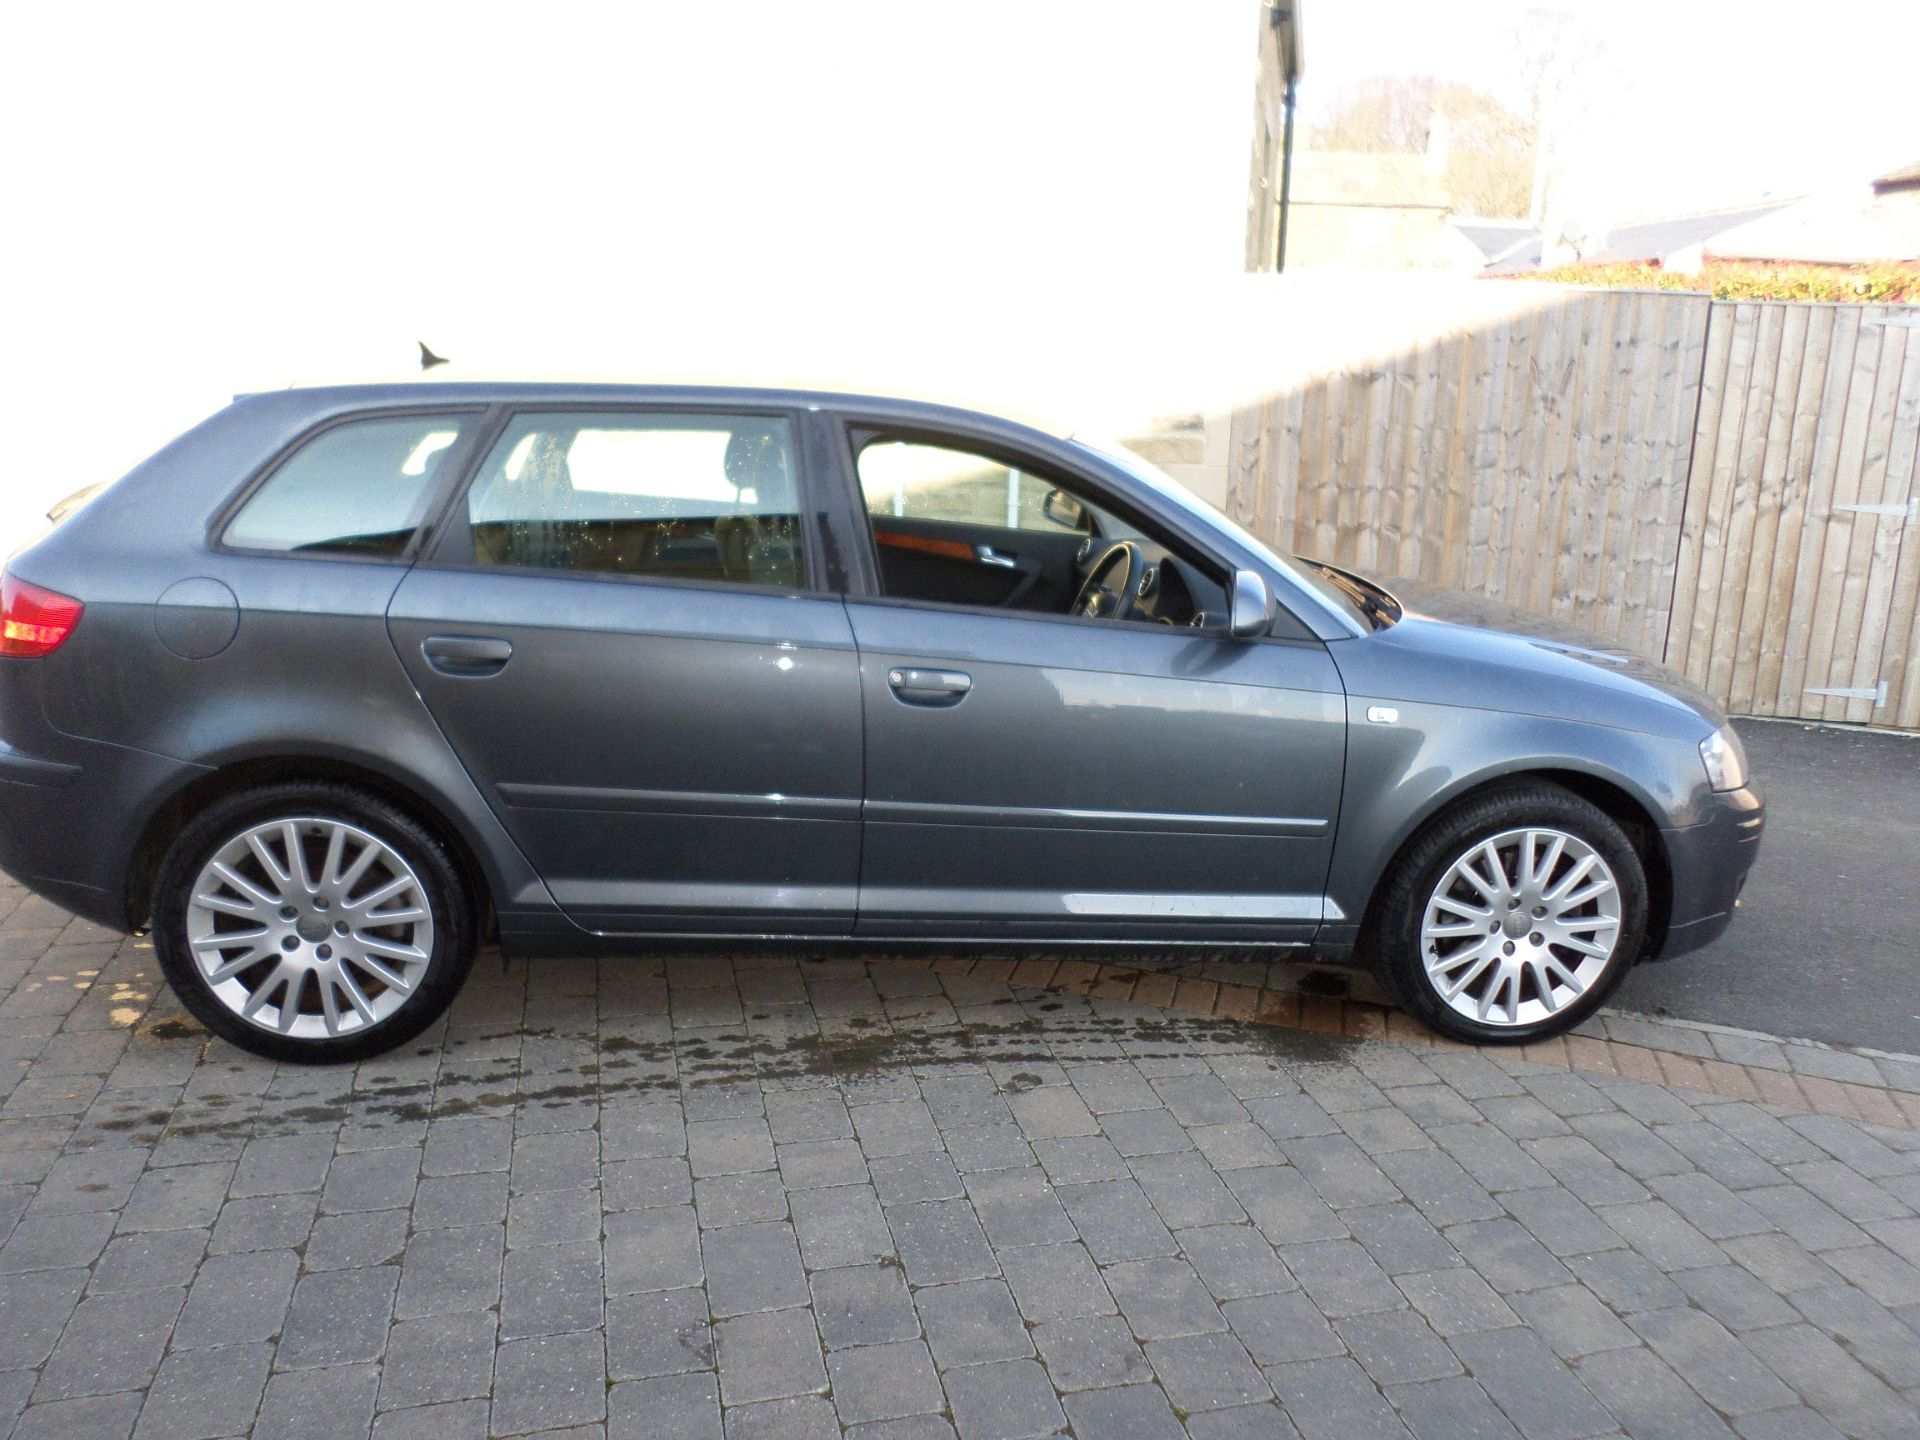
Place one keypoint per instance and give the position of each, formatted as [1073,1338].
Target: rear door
[625,634]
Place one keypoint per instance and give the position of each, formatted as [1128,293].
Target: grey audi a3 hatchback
[346,681]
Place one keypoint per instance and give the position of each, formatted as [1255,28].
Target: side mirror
[1065,511]
[1250,606]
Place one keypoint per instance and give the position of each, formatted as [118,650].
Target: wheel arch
[174,812]
[1611,795]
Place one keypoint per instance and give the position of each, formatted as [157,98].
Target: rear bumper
[70,818]
[1709,864]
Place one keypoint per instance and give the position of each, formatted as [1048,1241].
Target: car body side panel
[308,674]
[669,757]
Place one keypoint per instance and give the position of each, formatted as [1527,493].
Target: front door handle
[468,656]
[987,555]
[929,687]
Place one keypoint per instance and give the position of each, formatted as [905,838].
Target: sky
[208,198]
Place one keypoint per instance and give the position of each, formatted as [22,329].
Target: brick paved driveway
[770,1198]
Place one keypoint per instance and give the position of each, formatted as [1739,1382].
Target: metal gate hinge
[1909,510]
[1878,694]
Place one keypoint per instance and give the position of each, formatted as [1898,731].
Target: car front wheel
[312,923]
[1512,916]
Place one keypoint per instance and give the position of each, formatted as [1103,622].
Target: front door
[621,636]
[1031,774]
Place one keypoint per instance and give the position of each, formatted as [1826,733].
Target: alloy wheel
[310,928]
[1520,926]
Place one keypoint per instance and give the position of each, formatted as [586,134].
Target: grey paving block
[445,1358]
[637,1184]
[56,1241]
[1531,1385]
[205,1394]
[565,1160]
[1396,1347]
[1507,1256]
[655,1249]
[112,1342]
[1058,1282]
[1186,1190]
[1009,1400]
[884,1382]
[1626,1280]
[841,1226]
[1277,1329]
[1017,1207]
[282,1165]
[550,1289]
[1571,1321]
[1708,1358]
[1207,1372]
[445,1272]
[1646,1399]
[665,1332]
[1162,1298]
[1731,1295]
[454,1420]
[338,1317]
[768,1356]
[940,1242]
[1438,1187]
[914,1179]
[1342,1277]
[263,1222]
[1143,1132]
[462,1144]
[1284,1207]
[330,1404]
[1874,1335]
[1235,1261]
[1833,1382]
[1128,1412]
[752,1267]
[372,1180]
[236,1298]
[903,1127]
[862,1305]
[1242,1422]
[686,1407]
[547,1382]
[972,1322]
[1451,1409]
[1089,1351]
[1399,1238]
[810,1164]
[1456,1302]
[1334,1400]
[88,1180]
[546,1217]
[96,1417]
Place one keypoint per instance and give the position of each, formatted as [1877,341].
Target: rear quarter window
[358,488]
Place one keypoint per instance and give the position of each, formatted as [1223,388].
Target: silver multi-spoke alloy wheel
[1521,926]
[310,928]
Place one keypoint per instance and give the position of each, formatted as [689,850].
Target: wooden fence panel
[1721,484]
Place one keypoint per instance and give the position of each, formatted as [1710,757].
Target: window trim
[450,547]
[453,475]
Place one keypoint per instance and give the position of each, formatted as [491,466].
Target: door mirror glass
[1065,511]
[1251,606]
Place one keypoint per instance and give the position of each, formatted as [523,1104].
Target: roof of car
[432,389]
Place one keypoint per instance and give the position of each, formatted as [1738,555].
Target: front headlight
[1726,762]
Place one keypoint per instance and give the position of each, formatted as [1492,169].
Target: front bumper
[1709,864]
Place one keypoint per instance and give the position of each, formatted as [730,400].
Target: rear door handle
[467,655]
[929,687]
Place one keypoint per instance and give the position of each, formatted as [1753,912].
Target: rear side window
[669,496]
[361,488]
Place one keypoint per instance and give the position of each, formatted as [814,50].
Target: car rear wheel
[1512,916]
[312,923]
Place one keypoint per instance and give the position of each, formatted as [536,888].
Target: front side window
[360,488]
[676,497]
[909,480]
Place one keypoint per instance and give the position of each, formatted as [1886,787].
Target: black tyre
[1511,916]
[312,922]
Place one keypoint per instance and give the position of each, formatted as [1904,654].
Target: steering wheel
[1108,591]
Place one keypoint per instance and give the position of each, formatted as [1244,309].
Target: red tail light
[34,621]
